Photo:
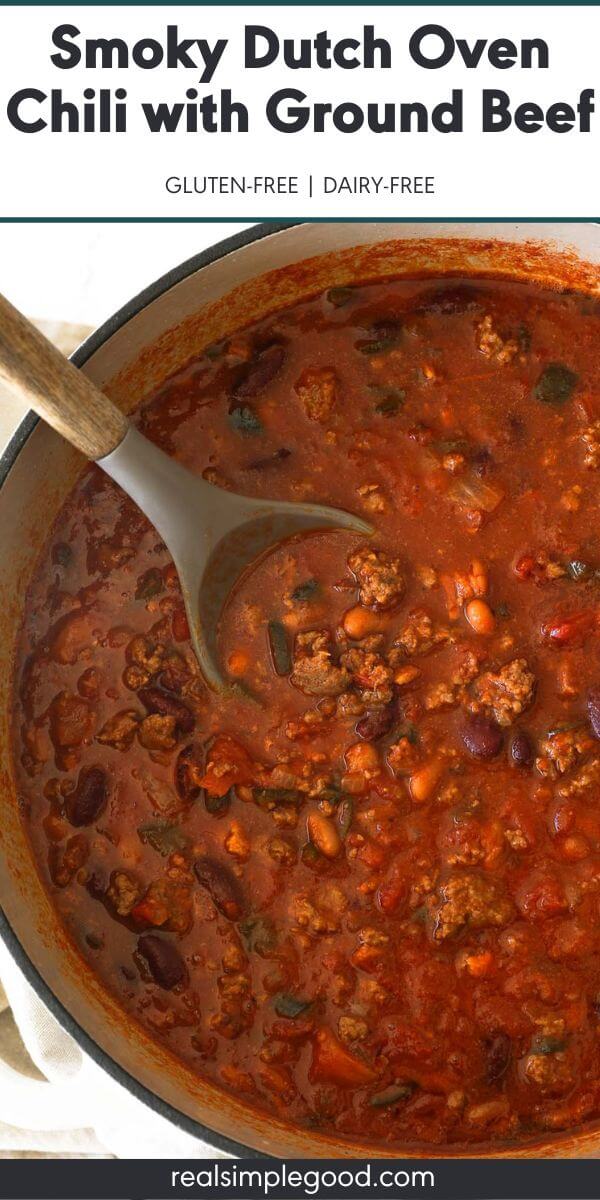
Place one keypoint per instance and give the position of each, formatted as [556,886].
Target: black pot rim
[7,460]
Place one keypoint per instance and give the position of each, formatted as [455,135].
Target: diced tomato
[371,855]
[292,1031]
[394,888]
[541,895]
[150,911]
[332,1063]
[228,764]
[524,566]
[570,630]
[367,958]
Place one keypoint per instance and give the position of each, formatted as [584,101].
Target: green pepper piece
[392,1094]
[280,652]
[555,384]
[259,934]
[244,419]
[391,401]
[149,584]
[306,591]
[217,806]
[339,296]
[547,1045]
[270,798]
[290,1006]
[163,837]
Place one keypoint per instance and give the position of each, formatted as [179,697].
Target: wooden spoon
[213,535]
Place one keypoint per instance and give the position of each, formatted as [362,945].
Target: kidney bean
[189,769]
[85,803]
[482,738]
[260,371]
[163,960]
[449,299]
[376,723]
[521,750]
[179,625]
[62,554]
[157,701]
[222,887]
[593,707]
[497,1057]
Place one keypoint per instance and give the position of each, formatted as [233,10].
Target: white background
[81,274]
[507,174]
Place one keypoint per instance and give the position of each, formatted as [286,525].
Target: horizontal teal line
[277,220]
[310,4]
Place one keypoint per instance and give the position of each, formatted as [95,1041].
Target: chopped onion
[470,492]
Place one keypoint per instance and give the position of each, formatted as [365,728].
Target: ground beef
[352,1029]
[371,675]
[503,694]
[380,578]
[591,440]
[403,756]
[420,636]
[498,349]
[157,732]
[552,1073]
[323,912]
[562,750]
[123,893]
[146,653]
[315,672]
[316,389]
[119,730]
[440,695]
[586,777]
[467,900]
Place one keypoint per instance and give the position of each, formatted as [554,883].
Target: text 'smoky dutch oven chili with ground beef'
[369,904]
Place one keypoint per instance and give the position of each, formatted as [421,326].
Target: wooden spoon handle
[40,376]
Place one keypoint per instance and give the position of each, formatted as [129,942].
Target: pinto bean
[425,779]
[189,770]
[480,617]
[323,834]
[359,622]
[163,960]
[482,738]
[85,803]
[155,700]
[222,887]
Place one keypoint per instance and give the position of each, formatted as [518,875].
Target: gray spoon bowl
[212,535]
